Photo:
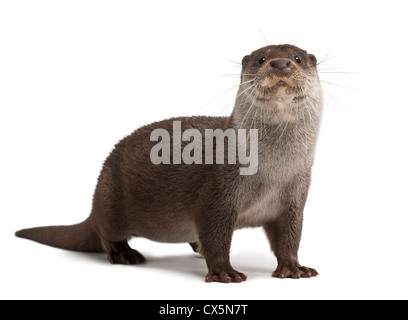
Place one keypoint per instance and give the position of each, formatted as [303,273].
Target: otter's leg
[284,235]
[121,253]
[215,233]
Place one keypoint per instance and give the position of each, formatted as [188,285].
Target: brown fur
[203,204]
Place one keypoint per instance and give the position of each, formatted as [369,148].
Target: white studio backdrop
[77,76]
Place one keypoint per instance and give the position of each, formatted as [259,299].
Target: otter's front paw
[293,270]
[225,276]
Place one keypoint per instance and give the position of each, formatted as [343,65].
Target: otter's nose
[280,64]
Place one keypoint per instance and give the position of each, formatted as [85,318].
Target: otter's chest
[260,196]
[257,207]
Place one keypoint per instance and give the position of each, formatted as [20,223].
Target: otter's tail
[78,237]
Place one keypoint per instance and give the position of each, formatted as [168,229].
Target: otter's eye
[262,60]
[297,59]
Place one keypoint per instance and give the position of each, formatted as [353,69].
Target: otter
[202,204]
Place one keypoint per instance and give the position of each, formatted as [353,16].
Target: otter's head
[280,77]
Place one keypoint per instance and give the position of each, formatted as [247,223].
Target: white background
[77,76]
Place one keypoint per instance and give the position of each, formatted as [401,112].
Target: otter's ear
[245,61]
[312,59]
